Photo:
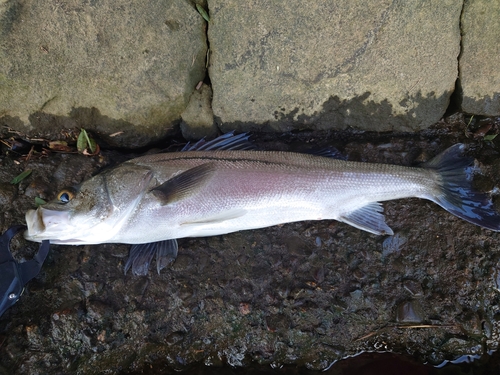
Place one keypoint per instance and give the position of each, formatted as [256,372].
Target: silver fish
[152,200]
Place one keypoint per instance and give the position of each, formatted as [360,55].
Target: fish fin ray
[139,258]
[141,255]
[219,218]
[184,184]
[327,152]
[227,141]
[166,253]
[368,218]
[456,194]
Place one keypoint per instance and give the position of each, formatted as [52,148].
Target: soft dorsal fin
[184,184]
[368,218]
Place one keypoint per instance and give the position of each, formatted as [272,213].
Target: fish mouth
[46,224]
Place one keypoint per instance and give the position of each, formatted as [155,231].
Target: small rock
[409,312]
[393,244]
[245,308]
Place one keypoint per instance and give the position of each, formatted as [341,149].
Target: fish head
[73,212]
[90,213]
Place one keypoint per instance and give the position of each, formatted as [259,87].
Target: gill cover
[13,275]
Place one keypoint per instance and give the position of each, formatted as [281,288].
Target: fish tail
[457,195]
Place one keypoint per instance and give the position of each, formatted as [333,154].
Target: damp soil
[297,297]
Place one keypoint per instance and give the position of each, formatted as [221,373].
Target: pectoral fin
[185,184]
[141,255]
[368,218]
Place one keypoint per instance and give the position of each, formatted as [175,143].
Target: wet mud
[300,295]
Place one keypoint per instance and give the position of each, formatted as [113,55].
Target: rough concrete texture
[479,71]
[379,65]
[198,117]
[303,294]
[109,66]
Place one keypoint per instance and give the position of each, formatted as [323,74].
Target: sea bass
[150,201]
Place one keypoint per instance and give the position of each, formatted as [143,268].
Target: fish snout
[44,224]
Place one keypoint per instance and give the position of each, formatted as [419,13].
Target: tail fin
[457,195]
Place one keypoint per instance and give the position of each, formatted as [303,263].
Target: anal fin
[368,218]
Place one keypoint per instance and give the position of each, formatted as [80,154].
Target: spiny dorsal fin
[368,218]
[185,184]
[327,152]
[227,141]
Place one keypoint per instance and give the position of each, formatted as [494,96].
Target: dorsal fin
[327,152]
[227,141]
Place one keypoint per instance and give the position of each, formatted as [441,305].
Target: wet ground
[298,296]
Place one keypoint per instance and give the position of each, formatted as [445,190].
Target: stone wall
[129,69]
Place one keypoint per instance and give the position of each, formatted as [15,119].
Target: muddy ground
[303,294]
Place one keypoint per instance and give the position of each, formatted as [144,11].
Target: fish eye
[65,196]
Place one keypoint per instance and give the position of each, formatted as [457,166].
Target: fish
[223,186]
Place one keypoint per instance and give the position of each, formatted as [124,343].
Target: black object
[14,275]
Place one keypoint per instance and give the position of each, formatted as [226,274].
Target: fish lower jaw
[36,226]
[55,240]
[51,225]
[72,241]
[43,224]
